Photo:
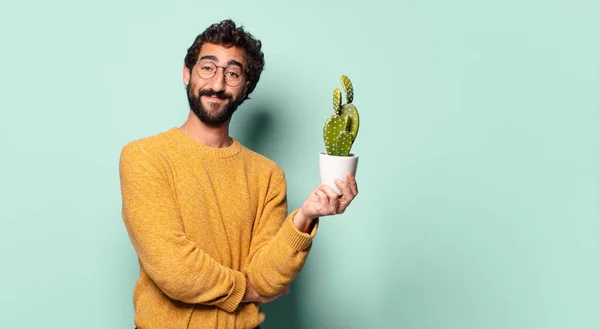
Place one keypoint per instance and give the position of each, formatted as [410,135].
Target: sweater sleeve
[180,269]
[278,250]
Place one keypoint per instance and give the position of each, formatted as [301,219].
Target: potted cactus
[339,133]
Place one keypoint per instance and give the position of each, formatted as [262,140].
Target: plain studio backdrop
[479,203]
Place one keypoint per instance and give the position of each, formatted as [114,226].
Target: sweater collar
[185,141]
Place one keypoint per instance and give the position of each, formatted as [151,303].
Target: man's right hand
[251,296]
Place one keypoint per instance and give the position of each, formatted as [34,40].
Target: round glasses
[233,73]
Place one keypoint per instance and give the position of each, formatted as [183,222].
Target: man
[207,216]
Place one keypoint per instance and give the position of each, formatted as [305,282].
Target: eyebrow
[214,58]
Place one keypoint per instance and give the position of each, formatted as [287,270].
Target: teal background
[479,202]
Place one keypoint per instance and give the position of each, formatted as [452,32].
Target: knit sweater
[202,220]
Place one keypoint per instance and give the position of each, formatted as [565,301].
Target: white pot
[332,167]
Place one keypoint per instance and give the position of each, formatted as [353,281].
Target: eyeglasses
[233,73]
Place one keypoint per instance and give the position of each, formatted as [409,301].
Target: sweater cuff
[232,302]
[300,241]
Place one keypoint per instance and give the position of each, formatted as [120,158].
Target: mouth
[214,98]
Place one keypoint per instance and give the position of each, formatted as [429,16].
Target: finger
[331,193]
[352,183]
[268,299]
[314,192]
[321,194]
[323,201]
[333,199]
[283,292]
[347,194]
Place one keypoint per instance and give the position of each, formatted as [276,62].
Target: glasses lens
[206,70]
[233,76]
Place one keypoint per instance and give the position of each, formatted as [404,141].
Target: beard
[213,118]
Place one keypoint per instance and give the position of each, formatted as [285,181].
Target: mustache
[220,94]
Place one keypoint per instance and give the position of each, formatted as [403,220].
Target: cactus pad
[349,110]
[337,101]
[344,143]
[334,126]
[341,128]
[347,88]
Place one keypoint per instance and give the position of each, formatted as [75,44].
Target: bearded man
[207,216]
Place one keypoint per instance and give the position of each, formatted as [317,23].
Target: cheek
[239,93]
[196,84]
[193,88]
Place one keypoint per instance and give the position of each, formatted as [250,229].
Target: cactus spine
[341,128]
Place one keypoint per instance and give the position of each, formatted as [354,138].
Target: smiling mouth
[215,98]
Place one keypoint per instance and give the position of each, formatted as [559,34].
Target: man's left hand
[324,201]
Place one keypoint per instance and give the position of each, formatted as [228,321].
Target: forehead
[223,54]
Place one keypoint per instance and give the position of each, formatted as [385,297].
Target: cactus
[341,127]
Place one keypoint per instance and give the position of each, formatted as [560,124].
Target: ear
[186,75]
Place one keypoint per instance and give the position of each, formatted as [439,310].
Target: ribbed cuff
[298,240]
[239,289]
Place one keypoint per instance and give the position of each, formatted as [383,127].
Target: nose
[217,82]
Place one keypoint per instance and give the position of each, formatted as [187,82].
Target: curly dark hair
[227,34]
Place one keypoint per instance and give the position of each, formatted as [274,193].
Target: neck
[204,134]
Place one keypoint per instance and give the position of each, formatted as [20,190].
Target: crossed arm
[186,273]
[322,201]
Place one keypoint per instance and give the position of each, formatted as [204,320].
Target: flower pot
[332,167]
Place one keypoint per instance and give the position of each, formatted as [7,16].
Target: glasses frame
[224,70]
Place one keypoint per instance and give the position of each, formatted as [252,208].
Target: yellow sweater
[202,220]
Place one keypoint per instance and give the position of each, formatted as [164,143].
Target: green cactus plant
[341,128]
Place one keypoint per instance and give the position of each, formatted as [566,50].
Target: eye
[233,74]
[206,68]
